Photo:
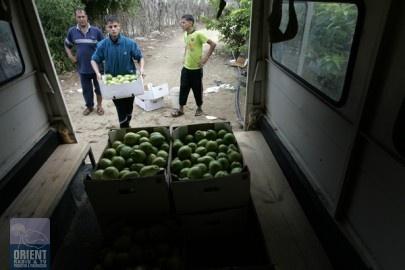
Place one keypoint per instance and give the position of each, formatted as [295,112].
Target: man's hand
[210,51]
[73,59]
[98,74]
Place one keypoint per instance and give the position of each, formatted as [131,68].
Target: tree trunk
[155,15]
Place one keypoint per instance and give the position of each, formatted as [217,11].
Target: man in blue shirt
[85,38]
[119,53]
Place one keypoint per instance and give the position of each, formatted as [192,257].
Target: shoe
[100,110]
[177,113]
[198,112]
[87,111]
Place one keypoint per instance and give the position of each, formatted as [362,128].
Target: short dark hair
[80,9]
[188,17]
[111,19]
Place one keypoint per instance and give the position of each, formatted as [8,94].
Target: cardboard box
[117,91]
[141,197]
[193,196]
[152,99]
[227,247]
[224,223]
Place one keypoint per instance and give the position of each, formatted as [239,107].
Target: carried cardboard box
[123,90]
[138,198]
[152,99]
[193,196]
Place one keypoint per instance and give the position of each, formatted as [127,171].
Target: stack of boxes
[214,206]
[204,207]
[153,98]
[211,216]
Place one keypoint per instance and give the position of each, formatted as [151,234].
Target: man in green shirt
[192,72]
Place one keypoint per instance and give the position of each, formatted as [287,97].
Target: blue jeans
[87,81]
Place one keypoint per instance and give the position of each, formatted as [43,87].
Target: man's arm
[94,65]
[70,55]
[137,55]
[97,57]
[210,51]
[68,47]
[141,64]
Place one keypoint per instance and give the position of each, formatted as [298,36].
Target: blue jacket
[118,55]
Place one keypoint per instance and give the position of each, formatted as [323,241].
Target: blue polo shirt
[85,46]
[118,55]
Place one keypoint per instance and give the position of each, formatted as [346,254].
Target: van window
[320,52]
[11,64]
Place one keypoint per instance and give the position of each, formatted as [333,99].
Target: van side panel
[24,122]
[376,209]
[320,135]
[327,141]
[23,114]
[317,137]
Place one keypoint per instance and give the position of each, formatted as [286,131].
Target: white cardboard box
[117,91]
[153,98]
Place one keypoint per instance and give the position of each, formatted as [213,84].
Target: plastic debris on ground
[215,89]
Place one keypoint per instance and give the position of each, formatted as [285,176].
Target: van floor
[285,235]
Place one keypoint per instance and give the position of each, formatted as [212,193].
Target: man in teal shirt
[119,53]
[192,72]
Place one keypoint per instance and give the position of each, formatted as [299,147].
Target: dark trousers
[87,81]
[191,79]
[124,108]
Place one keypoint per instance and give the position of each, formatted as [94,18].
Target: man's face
[81,18]
[185,24]
[113,28]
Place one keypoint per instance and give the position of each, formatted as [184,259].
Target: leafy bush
[97,10]
[320,51]
[56,17]
[329,53]
[233,25]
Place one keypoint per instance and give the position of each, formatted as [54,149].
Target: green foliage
[233,25]
[331,37]
[56,17]
[320,51]
[97,9]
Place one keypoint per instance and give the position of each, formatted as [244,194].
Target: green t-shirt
[194,48]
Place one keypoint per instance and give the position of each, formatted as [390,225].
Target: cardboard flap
[156,92]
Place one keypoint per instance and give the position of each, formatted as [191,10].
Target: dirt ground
[163,53]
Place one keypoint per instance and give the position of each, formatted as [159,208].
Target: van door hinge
[259,71]
[45,84]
